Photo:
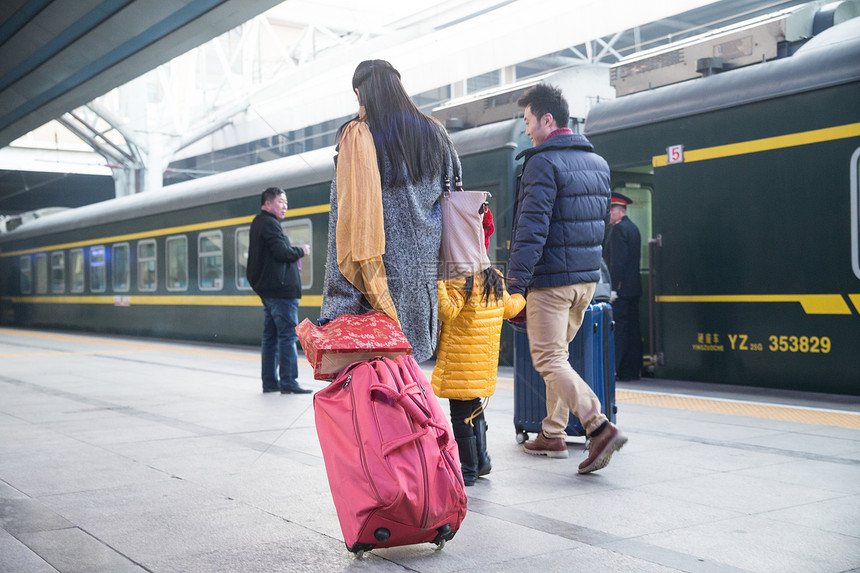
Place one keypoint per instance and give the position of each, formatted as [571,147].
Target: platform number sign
[675,154]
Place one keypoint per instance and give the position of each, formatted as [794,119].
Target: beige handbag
[462,252]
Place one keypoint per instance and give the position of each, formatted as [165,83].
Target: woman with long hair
[385,223]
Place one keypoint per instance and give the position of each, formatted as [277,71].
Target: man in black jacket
[622,252]
[273,272]
[562,205]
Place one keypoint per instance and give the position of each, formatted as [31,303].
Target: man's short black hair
[270,194]
[546,99]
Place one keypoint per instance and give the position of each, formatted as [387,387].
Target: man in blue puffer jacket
[562,206]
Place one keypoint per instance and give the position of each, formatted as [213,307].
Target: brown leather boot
[601,447]
[549,447]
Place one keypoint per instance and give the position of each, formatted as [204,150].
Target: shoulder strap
[451,168]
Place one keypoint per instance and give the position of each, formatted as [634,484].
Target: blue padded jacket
[561,211]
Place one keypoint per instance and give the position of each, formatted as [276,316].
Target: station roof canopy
[56,55]
[59,55]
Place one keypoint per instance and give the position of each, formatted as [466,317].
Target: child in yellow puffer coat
[472,310]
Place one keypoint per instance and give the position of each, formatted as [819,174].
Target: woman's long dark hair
[410,139]
[493,283]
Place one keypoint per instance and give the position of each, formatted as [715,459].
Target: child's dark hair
[493,283]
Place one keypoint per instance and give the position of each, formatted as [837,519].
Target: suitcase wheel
[359,548]
[522,437]
[382,534]
[443,534]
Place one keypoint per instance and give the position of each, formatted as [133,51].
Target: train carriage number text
[811,344]
[802,344]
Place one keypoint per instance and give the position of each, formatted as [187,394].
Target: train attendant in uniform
[621,250]
[385,222]
[472,310]
[273,273]
[561,207]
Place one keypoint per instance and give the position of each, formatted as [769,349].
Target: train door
[640,213]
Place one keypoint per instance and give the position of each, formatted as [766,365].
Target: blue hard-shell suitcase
[592,355]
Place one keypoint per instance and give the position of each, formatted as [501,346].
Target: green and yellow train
[171,263]
[746,183]
[747,193]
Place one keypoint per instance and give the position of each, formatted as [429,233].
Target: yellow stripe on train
[765,144]
[235,221]
[811,303]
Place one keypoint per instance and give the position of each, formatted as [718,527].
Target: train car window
[76,268]
[177,263]
[147,275]
[41,273]
[98,272]
[242,242]
[121,268]
[58,272]
[26,275]
[210,254]
[300,233]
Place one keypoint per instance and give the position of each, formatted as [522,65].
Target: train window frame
[854,175]
[172,285]
[41,273]
[98,284]
[25,270]
[77,271]
[141,260]
[218,283]
[115,267]
[242,270]
[641,213]
[58,272]
[306,261]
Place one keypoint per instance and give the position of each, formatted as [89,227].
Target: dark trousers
[628,338]
[279,356]
[460,410]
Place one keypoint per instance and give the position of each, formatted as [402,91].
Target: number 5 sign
[675,154]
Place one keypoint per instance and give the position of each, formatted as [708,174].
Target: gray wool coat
[412,218]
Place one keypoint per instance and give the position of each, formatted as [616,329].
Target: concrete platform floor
[133,455]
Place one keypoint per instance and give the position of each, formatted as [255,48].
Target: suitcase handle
[415,411]
[389,447]
[420,415]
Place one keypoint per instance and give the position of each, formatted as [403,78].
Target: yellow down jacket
[467,358]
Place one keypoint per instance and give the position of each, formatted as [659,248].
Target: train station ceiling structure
[58,55]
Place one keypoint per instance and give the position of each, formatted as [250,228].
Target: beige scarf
[360,232]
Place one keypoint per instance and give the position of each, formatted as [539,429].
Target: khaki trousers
[553,316]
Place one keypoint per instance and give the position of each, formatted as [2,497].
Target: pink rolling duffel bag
[392,462]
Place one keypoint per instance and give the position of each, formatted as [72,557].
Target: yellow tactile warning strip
[675,401]
[819,417]
[157,300]
[132,346]
[738,408]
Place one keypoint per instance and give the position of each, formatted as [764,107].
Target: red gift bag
[349,338]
